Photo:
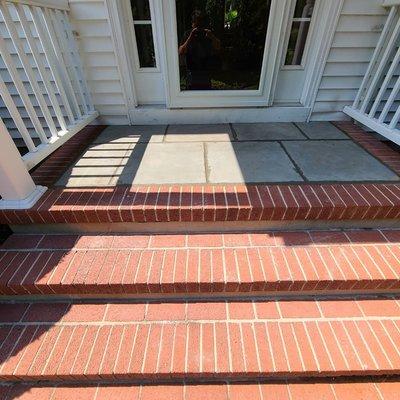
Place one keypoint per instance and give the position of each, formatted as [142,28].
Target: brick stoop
[208,203]
[249,315]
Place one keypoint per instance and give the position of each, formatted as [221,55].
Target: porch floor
[236,153]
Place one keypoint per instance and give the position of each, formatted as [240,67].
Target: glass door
[222,53]
[221,43]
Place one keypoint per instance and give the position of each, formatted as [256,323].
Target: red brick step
[213,263]
[213,203]
[189,341]
[385,390]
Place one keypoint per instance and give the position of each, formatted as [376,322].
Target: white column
[17,189]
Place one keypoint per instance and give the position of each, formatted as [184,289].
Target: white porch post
[17,189]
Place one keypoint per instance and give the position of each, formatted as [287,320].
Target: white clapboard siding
[357,34]
[90,21]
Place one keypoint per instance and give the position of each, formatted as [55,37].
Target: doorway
[222,53]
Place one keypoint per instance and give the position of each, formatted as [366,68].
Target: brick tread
[207,341]
[384,390]
[211,203]
[204,263]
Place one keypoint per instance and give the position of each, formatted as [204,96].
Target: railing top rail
[54,4]
[390,3]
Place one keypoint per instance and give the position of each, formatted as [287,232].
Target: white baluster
[381,67]
[12,69]
[64,56]
[52,61]
[42,69]
[61,63]
[16,116]
[375,57]
[28,69]
[75,52]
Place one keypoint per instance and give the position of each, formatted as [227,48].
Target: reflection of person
[199,48]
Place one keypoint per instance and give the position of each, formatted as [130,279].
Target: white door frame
[322,37]
[278,18]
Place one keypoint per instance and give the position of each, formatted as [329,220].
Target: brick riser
[211,377]
[208,203]
[181,265]
[331,390]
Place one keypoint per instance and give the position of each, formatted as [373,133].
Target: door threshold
[160,114]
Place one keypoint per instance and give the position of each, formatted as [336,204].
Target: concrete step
[199,341]
[212,203]
[286,262]
[327,390]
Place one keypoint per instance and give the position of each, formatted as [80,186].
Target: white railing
[40,54]
[377,104]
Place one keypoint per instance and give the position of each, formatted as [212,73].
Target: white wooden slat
[389,103]
[55,4]
[385,84]
[66,52]
[381,67]
[375,56]
[32,159]
[70,53]
[27,67]
[9,62]
[61,64]
[395,120]
[77,58]
[41,67]
[52,61]
[16,116]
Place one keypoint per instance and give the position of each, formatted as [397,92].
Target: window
[300,28]
[144,33]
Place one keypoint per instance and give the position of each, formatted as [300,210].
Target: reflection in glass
[145,46]
[299,32]
[221,43]
[140,10]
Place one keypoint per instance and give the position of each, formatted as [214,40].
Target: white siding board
[357,34]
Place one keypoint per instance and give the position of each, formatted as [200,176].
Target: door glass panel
[145,45]
[299,32]
[141,10]
[144,33]
[221,43]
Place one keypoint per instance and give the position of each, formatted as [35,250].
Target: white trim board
[322,37]
[24,204]
[154,115]
[121,43]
